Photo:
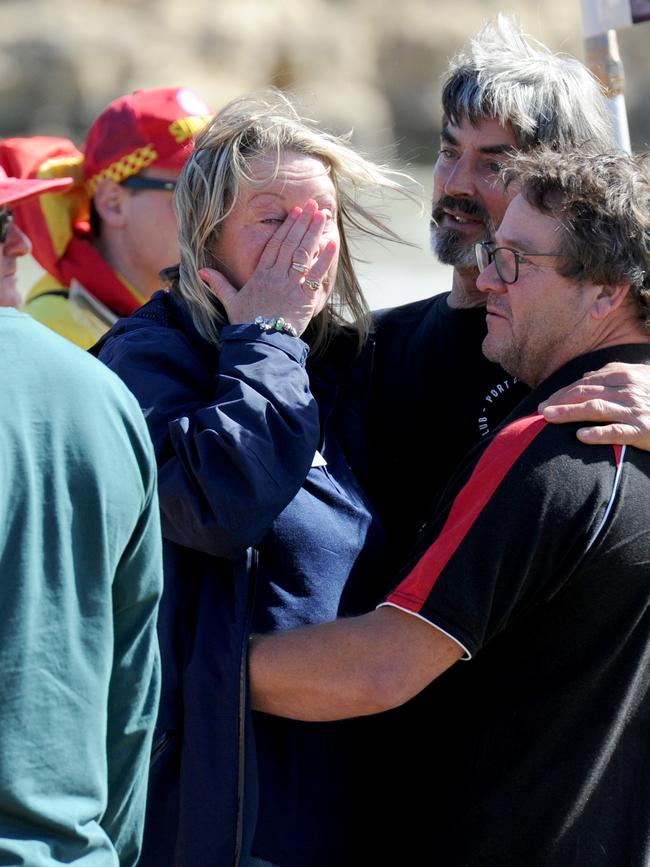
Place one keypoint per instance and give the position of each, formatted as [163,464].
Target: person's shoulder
[48,302]
[47,286]
[413,312]
[158,351]
[60,367]
[343,348]
[37,340]
[549,457]
[160,328]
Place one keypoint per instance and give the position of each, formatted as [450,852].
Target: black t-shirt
[536,751]
[433,397]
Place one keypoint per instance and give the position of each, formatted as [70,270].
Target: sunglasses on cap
[138,182]
[6,219]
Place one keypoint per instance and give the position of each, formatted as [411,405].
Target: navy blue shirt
[538,564]
[323,557]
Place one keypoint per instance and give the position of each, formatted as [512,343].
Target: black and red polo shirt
[537,750]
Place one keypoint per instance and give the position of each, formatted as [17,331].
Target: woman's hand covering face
[275,288]
[289,221]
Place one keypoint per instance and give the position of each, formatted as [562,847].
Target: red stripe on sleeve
[502,453]
[618,455]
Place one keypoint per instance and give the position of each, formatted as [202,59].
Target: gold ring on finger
[313,284]
[301,269]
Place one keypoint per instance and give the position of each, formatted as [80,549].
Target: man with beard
[434,394]
[534,569]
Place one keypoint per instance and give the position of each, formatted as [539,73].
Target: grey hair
[550,99]
[246,129]
[603,205]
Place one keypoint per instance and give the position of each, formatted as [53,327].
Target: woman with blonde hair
[247,368]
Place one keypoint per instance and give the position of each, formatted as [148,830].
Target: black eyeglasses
[506,260]
[138,182]
[6,219]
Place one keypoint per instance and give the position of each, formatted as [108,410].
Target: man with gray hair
[534,567]
[435,395]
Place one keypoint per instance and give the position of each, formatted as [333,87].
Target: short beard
[451,247]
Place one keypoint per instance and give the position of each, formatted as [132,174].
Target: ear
[110,203]
[608,299]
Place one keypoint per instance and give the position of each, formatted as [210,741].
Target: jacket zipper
[243,680]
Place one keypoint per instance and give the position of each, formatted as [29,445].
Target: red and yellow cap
[146,128]
[15,190]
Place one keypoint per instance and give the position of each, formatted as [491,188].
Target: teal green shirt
[80,580]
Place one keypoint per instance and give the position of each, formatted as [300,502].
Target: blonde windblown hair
[246,129]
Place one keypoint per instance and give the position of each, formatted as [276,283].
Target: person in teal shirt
[81,571]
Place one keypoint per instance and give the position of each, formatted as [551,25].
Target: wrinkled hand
[275,289]
[617,397]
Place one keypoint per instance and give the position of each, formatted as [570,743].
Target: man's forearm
[348,668]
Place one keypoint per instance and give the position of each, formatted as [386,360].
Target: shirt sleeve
[135,677]
[512,534]
[234,448]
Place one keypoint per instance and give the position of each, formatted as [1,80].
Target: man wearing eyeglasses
[104,242]
[535,568]
[435,395]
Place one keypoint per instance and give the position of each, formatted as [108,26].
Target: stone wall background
[371,65]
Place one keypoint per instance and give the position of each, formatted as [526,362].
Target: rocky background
[370,65]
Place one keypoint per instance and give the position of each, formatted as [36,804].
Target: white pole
[604,60]
[599,18]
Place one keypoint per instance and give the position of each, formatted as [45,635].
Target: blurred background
[371,66]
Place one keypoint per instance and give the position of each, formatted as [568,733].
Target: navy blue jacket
[216,419]
[256,490]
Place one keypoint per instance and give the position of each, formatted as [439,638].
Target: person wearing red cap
[13,241]
[80,559]
[103,243]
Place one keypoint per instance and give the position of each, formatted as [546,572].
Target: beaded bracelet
[278,324]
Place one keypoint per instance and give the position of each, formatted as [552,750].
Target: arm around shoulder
[616,399]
